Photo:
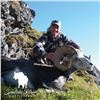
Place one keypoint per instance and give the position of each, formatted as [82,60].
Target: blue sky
[80,22]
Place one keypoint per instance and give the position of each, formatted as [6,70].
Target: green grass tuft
[78,89]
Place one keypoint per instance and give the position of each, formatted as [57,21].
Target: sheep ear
[89,57]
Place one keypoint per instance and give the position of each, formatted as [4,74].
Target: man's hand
[50,56]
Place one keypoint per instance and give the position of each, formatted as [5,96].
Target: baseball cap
[56,22]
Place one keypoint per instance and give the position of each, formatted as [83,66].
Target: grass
[78,89]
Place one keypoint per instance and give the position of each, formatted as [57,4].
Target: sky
[80,22]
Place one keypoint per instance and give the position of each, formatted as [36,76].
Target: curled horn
[67,50]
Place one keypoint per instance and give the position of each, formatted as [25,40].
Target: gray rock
[14,18]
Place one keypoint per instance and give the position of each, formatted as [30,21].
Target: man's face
[54,30]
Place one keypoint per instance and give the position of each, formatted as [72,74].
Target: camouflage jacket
[46,44]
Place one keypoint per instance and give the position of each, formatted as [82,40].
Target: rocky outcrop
[15,17]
